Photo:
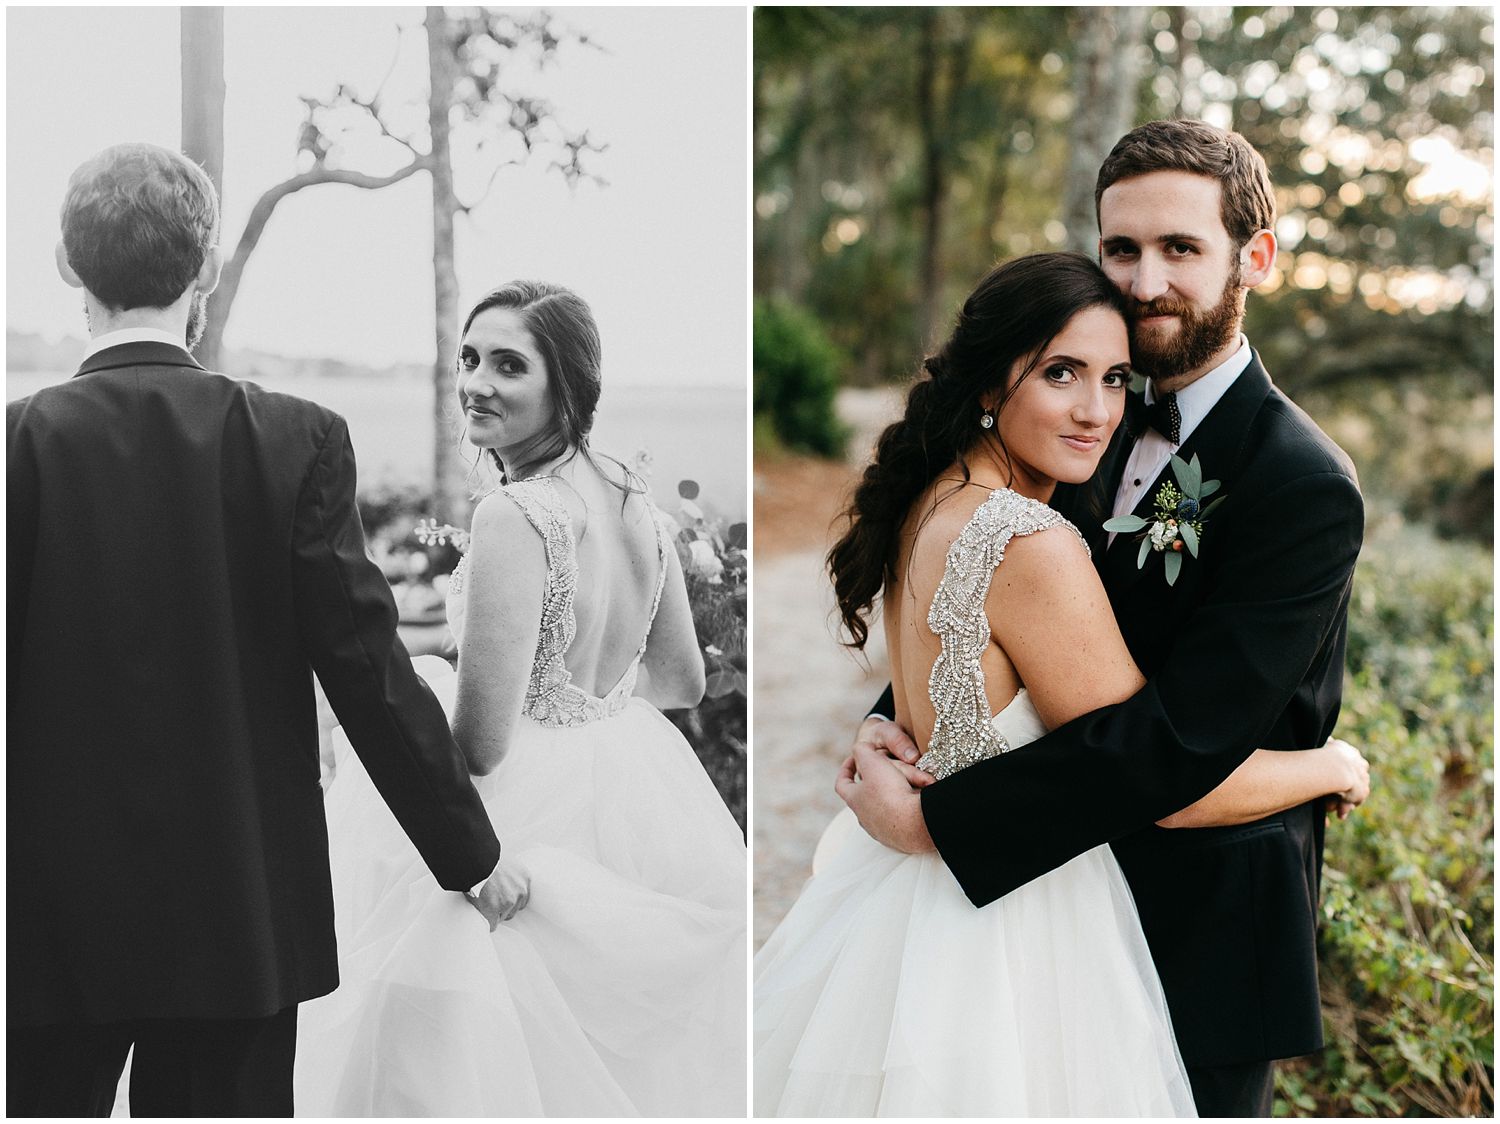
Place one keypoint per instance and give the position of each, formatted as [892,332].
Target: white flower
[1162,535]
[703,562]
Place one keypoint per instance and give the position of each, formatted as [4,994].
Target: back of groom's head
[1247,200]
[138,220]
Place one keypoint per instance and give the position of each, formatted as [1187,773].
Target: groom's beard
[197,319]
[1199,335]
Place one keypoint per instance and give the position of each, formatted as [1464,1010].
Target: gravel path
[809,693]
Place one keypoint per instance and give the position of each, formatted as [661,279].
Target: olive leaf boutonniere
[1177,521]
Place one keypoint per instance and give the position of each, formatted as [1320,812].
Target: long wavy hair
[1009,319]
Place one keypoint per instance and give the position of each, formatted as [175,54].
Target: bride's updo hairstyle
[1011,317]
[562,326]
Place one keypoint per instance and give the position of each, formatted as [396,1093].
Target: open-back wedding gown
[618,991]
[884,992]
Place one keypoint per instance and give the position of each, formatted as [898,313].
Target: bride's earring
[986,420]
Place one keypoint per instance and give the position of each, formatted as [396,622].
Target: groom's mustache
[1138,311]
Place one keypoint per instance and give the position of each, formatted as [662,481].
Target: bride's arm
[1050,614]
[1273,780]
[507,581]
[673,663]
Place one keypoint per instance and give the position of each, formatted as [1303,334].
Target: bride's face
[502,384]
[1059,421]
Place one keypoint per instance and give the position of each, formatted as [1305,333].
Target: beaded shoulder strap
[543,507]
[962,733]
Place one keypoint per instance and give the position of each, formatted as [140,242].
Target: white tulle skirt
[884,992]
[618,991]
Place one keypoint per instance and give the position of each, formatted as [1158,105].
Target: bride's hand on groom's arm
[505,894]
[1357,773]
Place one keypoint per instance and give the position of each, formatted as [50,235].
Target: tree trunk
[1105,82]
[929,279]
[447,477]
[202,65]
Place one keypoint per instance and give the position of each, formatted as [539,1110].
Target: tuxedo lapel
[142,353]
[1219,443]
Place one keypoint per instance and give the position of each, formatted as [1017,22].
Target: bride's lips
[473,409]
[1081,443]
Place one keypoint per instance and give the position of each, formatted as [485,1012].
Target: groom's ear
[208,274]
[65,268]
[1257,256]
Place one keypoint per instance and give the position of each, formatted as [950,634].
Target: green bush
[1407,938]
[796,380]
[716,569]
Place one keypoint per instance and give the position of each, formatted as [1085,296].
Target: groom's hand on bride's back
[882,789]
[889,738]
[504,895]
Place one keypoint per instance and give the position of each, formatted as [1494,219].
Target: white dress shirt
[1152,451]
[134,335]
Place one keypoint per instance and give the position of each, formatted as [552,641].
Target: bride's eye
[467,360]
[1061,374]
[1119,379]
[511,365]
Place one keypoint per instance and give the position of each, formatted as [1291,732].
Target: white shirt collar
[133,335]
[1195,400]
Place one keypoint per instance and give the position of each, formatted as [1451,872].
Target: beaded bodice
[963,733]
[552,698]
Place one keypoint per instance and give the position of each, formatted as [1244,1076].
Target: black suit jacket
[183,552]
[1246,650]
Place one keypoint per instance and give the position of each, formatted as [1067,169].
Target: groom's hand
[504,895]
[889,738]
[878,791]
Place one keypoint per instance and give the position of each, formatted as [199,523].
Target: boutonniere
[1177,522]
[430,532]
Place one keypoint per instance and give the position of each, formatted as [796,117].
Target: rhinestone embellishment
[962,734]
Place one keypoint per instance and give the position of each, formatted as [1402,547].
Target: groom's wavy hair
[1247,201]
[1009,319]
[137,222]
[562,327]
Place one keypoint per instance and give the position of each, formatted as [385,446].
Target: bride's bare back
[1046,622]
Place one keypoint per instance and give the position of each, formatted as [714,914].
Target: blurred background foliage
[900,152]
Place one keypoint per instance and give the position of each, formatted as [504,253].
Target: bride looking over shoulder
[614,986]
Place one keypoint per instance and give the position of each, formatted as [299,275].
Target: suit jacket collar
[1219,442]
[142,353]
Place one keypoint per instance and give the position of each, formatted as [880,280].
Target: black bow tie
[1161,415]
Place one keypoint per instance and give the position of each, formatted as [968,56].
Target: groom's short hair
[137,222]
[1247,200]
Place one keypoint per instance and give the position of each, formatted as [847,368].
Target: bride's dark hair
[1011,317]
[562,326]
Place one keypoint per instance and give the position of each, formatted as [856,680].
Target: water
[698,433]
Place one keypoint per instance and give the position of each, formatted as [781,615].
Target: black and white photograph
[1123,615]
[377,505]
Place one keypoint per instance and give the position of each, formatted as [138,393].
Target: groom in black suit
[183,552]
[1244,650]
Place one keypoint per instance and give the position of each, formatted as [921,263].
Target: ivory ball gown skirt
[618,991]
[885,992]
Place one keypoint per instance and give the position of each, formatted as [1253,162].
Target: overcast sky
[660,253]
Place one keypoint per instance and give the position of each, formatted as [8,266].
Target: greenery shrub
[796,379]
[1406,945]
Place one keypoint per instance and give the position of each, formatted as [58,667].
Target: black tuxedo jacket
[183,551]
[1246,650]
